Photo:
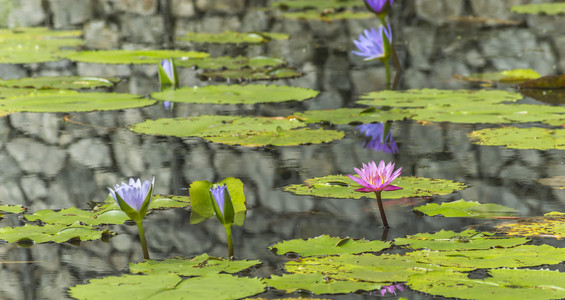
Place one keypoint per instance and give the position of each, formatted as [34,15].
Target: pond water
[59,160]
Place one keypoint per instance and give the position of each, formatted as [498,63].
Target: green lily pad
[240,75]
[202,265]
[277,138]
[327,15]
[465,240]
[184,127]
[500,284]
[540,8]
[12,209]
[319,284]
[67,101]
[350,115]
[430,98]
[34,33]
[546,82]
[341,186]
[519,256]
[236,94]
[132,56]
[326,245]
[7,92]
[230,37]
[521,138]
[168,286]
[57,233]
[318,4]
[508,76]
[214,63]
[462,208]
[551,225]
[60,82]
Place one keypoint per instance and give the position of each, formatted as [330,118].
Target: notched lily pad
[499,284]
[236,94]
[230,37]
[60,82]
[462,208]
[551,225]
[521,138]
[131,56]
[340,186]
[12,209]
[350,115]
[248,74]
[326,245]
[57,233]
[69,101]
[202,265]
[540,8]
[465,240]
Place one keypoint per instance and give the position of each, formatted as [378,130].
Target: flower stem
[381,208]
[387,69]
[142,239]
[230,241]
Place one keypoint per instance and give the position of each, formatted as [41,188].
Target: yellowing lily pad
[68,101]
[240,75]
[551,225]
[230,37]
[465,240]
[201,265]
[521,138]
[556,182]
[132,56]
[50,233]
[12,209]
[326,245]
[236,94]
[540,8]
[60,82]
[350,115]
[462,208]
[499,284]
[341,186]
[508,76]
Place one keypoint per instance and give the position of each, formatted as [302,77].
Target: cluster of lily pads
[468,264]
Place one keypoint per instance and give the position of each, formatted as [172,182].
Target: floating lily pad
[283,137]
[500,284]
[347,273]
[168,286]
[50,233]
[327,15]
[236,94]
[240,75]
[132,56]
[465,240]
[546,82]
[350,115]
[60,82]
[508,76]
[318,4]
[551,225]
[519,256]
[67,101]
[184,127]
[341,186]
[230,37]
[34,33]
[201,265]
[6,92]
[462,208]
[430,98]
[540,8]
[521,138]
[326,245]
[556,182]
[214,63]
[12,209]
[550,96]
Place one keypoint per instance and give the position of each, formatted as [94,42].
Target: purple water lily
[378,139]
[373,43]
[391,289]
[167,65]
[376,179]
[378,6]
[134,193]
[218,192]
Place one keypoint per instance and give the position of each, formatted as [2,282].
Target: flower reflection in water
[379,137]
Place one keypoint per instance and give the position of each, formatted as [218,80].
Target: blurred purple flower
[377,138]
[167,105]
[134,193]
[378,6]
[373,43]
[392,289]
[375,179]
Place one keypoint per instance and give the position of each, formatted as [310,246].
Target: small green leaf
[462,208]
[201,203]
[12,209]
[326,245]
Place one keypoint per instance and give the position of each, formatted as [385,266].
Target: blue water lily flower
[379,137]
[222,204]
[374,43]
[168,76]
[378,6]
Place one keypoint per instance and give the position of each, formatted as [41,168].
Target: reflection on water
[47,162]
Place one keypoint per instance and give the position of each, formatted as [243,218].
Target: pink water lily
[374,179]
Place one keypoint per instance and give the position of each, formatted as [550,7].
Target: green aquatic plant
[377,179]
[134,199]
